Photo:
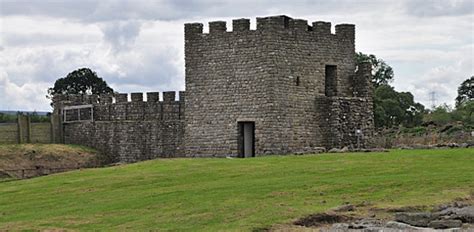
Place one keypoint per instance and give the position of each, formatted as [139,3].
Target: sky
[138,46]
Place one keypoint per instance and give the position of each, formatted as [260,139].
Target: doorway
[246,139]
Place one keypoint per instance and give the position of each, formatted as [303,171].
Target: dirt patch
[31,160]
[320,219]
[406,209]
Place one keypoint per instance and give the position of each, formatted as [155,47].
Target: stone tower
[285,87]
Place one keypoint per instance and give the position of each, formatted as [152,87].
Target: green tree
[35,117]
[465,92]
[7,118]
[392,108]
[382,73]
[466,112]
[80,81]
[441,115]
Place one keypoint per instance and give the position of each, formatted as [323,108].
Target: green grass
[232,194]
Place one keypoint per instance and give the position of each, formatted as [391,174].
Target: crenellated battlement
[118,107]
[281,23]
[151,97]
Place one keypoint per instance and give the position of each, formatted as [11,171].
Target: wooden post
[24,129]
[56,128]
[20,132]
[28,129]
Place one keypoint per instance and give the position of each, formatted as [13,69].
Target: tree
[392,108]
[80,81]
[441,115]
[465,92]
[382,73]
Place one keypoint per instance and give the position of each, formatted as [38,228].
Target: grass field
[232,194]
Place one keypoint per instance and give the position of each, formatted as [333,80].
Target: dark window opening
[246,139]
[297,81]
[330,86]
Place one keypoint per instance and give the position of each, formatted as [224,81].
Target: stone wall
[129,141]
[127,131]
[343,116]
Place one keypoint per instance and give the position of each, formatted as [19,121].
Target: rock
[319,149]
[464,145]
[334,150]
[340,226]
[422,146]
[366,223]
[447,211]
[471,143]
[404,147]
[466,214]
[414,219]
[400,226]
[453,145]
[445,224]
[344,208]
[345,149]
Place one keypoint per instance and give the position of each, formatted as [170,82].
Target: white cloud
[27,96]
[121,34]
[443,80]
[139,46]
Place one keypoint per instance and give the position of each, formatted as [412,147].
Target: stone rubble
[451,217]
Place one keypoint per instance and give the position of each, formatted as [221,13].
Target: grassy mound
[232,194]
[30,160]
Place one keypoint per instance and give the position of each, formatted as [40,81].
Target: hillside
[233,194]
[30,160]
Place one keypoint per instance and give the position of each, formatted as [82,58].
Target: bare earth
[30,160]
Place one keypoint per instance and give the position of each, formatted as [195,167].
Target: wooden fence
[24,131]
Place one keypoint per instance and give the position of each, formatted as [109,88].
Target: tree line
[393,108]
[34,117]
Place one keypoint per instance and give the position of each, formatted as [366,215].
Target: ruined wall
[342,117]
[273,76]
[127,131]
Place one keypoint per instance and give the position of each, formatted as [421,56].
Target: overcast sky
[138,46]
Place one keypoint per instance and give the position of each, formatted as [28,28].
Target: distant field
[232,194]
